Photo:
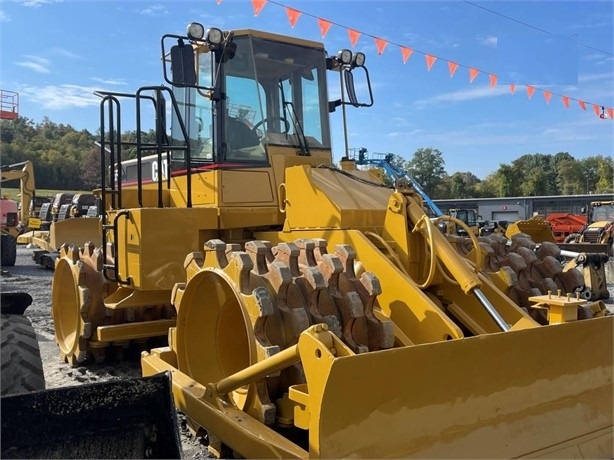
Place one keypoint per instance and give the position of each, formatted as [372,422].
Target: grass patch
[13,193]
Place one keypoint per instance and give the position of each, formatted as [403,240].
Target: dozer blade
[122,419]
[539,392]
[584,247]
[538,229]
[77,231]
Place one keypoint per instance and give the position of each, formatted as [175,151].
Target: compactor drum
[312,311]
[83,324]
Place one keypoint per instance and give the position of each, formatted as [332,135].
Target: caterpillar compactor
[311,311]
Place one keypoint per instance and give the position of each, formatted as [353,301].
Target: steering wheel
[267,119]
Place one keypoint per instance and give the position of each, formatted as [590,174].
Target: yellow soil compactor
[310,310]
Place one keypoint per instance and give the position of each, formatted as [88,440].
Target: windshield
[275,94]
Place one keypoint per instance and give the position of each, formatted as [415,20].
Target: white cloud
[37,3]
[478,92]
[585,78]
[110,81]
[411,133]
[155,10]
[61,96]
[4,17]
[598,58]
[65,53]
[489,40]
[36,63]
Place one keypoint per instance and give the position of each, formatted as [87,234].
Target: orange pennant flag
[381,45]
[582,104]
[452,66]
[512,88]
[493,80]
[547,96]
[530,91]
[565,100]
[610,113]
[324,26]
[596,109]
[258,5]
[293,15]
[406,52]
[472,74]
[430,60]
[354,34]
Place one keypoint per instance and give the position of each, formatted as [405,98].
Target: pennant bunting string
[430,60]
[258,5]
[472,74]
[293,16]
[324,26]
[493,80]
[381,45]
[354,34]
[406,52]
[452,66]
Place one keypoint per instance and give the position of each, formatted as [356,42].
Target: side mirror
[183,66]
[351,88]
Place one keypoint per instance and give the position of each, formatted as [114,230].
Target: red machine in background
[564,224]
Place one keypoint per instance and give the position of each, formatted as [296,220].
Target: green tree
[508,180]
[90,168]
[605,173]
[536,174]
[569,175]
[463,185]
[488,187]
[427,167]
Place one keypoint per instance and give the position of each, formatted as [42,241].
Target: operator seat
[239,135]
[243,142]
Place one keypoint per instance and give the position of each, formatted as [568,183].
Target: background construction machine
[469,217]
[312,311]
[60,221]
[15,217]
[119,419]
[597,235]
[564,224]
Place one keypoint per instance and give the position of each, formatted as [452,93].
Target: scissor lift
[9,105]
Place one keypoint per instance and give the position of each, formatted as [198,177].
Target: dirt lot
[29,277]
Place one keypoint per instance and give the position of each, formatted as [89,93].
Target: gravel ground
[28,277]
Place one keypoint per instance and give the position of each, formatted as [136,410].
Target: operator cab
[252,90]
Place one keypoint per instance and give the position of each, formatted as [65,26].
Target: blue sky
[56,53]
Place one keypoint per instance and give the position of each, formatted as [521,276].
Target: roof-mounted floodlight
[196,31]
[344,56]
[214,36]
[358,60]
